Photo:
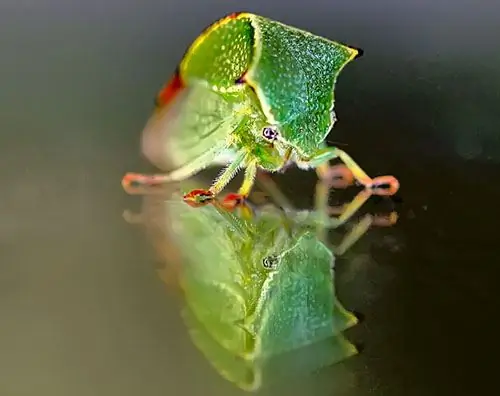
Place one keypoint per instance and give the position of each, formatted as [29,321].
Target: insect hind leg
[377,185]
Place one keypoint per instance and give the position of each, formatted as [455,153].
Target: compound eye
[270,262]
[270,133]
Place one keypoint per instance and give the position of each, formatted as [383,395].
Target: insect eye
[269,133]
[270,262]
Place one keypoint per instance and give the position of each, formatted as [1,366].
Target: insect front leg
[132,181]
[233,200]
[319,161]
[345,212]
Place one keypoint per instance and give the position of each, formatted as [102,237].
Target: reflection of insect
[259,290]
[250,93]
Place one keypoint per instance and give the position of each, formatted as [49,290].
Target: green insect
[254,94]
[258,284]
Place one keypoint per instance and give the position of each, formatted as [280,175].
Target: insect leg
[227,175]
[270,186]
[354,234]
[201,197]
[267,183]
[347,211]
[182,173]
[362,227]
[238,200]
[321,196]
[249,180]
[376,185]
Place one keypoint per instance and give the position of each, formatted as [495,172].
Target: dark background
[82,311]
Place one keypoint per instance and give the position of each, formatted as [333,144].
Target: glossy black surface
[83,311]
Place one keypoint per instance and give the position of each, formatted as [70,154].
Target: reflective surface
[83,310]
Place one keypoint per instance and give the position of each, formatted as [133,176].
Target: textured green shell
[292,72]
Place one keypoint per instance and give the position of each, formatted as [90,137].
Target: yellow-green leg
[179,174]
[270,187]
[326,222]
[200,197]
[323,210]
[354,235]
[239,199]
[362,227]
[320,160]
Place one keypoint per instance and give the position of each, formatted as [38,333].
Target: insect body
[254,94]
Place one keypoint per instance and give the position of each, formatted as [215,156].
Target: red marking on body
[234,15]
[170,90]
[218,23]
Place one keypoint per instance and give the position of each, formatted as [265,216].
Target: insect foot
[233,200]
[138,183]
[384,185]
[197,198]
[238,202]
[133,180]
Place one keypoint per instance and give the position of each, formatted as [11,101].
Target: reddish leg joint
[233,200]
[197,198]
[385,185]
[143,180]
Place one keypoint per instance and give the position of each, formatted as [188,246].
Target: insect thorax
[255,134]
[270,143]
